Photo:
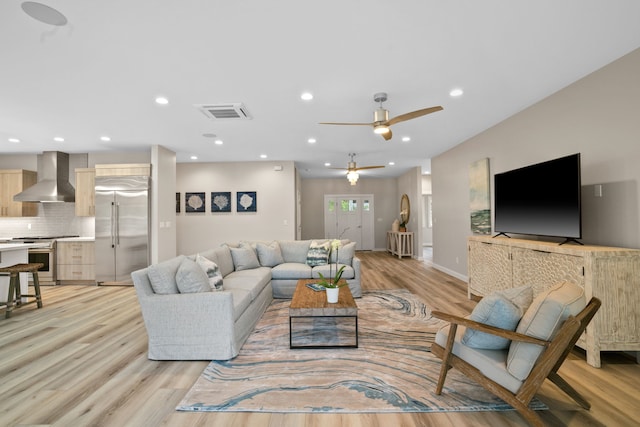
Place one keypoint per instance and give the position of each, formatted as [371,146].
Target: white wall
[163,206]
[597,116]
[275,216]
[410,184]
[427,233]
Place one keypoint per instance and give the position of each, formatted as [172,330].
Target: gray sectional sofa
[186,320]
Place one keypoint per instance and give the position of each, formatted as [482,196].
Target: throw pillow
[163,276]
[191,278]
[269,255]
[346,253]
[244,258]
[212,271]
[502,309]
[318,254]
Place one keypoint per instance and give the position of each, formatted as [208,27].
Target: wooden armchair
[489,368]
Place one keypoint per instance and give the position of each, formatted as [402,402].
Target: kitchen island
[15,253]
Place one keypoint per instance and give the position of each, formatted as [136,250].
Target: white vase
[332,295]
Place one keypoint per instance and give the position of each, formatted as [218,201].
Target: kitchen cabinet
[12,182]
[607,273]
[85,192]
[75,261]
[132,169]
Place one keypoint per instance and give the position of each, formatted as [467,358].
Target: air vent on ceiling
[236,111]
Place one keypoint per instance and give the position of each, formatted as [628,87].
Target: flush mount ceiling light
[43,13]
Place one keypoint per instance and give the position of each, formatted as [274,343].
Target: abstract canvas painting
[480,197]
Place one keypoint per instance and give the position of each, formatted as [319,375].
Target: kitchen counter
[77,239]
[4,247]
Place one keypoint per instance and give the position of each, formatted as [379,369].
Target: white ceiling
[99,74]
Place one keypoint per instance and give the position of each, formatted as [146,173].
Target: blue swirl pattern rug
[392,370]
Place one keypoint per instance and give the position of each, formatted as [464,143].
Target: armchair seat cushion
[492,363]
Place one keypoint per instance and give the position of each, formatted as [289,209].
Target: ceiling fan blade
[387,136]
[347,124]
[413,115]
[368,167]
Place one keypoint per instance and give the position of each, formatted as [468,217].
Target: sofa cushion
[542,320]
[291,270]
[294,250]
[244,258]
[212,271]
[163,275]
[222,257]
[318,253]
[253,280]
[345,252]
[502,309]
[270,254]
[191,278]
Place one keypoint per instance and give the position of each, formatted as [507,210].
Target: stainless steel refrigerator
[122,227]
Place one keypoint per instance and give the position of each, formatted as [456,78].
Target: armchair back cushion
[542,320]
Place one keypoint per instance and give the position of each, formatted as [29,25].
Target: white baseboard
[451,272]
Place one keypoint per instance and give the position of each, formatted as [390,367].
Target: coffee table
[315,318]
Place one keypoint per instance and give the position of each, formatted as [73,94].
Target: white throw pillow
[191,278]
[502,309]
[212,271]
[318,254]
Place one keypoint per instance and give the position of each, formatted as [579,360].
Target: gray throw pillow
[163,276]
[269,255]
[244,258]
[191,278]
[212,271]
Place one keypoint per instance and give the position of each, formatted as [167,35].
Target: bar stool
[15,296]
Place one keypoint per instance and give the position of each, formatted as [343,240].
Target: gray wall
[386,194]
[597,116]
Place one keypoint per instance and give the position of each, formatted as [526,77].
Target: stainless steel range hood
[53,180]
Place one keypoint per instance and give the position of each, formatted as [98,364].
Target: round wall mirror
[405,209]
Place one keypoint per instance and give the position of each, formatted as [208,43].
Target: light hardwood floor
[81,361]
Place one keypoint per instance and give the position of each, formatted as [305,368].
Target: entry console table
[610,274]
[400,243]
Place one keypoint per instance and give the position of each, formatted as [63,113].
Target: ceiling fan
[352,170]
[381,121]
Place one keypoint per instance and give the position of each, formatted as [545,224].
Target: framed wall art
[221,201]
[480,197]
[246,201]
[177,202]
[194,202]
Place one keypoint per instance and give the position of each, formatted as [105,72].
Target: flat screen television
[541,199]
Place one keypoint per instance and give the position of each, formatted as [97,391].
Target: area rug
[392,370]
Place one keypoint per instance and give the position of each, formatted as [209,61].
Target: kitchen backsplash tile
[53,219]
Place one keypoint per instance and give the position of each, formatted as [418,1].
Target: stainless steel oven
[46,255]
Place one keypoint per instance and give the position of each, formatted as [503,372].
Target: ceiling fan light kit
[353,176]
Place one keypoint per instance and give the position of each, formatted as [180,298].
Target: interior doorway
[350,217]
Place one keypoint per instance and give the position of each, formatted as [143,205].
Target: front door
[350,217]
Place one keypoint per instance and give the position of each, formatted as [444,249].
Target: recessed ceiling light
[392,163]
[218,142]
[44,13]
[456,92]
[58,139]
[263,156]
[406,139]
[194,157]
[14,140]
[306,96]
[327,164]
[162,100]
[105,138]
[311,140]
